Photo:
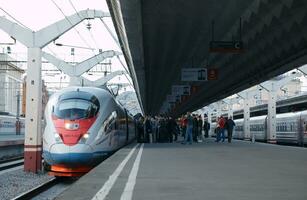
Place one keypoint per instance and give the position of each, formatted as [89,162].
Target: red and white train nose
[72,131]
[72,117]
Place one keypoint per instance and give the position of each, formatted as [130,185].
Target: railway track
[32,193]
[11,163]
[10,159]
[47,190]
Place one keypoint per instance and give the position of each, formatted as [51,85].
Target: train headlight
[84,138]
[67,126]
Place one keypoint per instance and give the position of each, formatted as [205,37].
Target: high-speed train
[83,126]
[290,128]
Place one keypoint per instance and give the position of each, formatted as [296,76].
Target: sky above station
[37,14]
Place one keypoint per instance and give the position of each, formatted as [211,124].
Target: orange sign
[212,74]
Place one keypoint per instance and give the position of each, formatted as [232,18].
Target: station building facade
[10,84]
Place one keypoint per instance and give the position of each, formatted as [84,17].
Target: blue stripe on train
[75,158]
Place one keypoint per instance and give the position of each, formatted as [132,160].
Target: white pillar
[218,109]
[271,130]
[230,111]
[210,121]
[246,124]
[209,116]
[33,135]
[74,81]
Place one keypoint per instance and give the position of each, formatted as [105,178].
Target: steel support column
[218,109]
[246,123]
[210,122]
[271,126]
[209,116]
[33,125]
[230,110]
[74,81]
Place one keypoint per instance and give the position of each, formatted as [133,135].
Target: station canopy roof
[160,37]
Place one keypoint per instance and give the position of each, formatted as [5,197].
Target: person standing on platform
[230,125]
[206,128]
[195,128]
[163,129]
[188,134]
[183,123]
[155,128]
[148,128]
[221,125]
[174,127]
[200,128]
[169,129]
[140,128]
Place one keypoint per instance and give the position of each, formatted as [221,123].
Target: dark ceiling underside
[167,35]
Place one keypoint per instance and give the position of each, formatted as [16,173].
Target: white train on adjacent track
[291,128]
[9,125]
[83,126]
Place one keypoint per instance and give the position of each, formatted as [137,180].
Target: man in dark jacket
[195,128]
[148,128]
[200,128]
[229,125]
[169,126]
[206,128]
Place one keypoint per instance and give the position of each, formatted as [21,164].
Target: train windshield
[76,109]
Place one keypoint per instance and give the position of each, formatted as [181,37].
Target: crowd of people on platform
[191,127]
[157,129]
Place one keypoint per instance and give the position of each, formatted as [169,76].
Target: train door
[302,130]
[127,126]
[265,129]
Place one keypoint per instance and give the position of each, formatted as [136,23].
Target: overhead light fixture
[8,49]
[88,25]
[73,46]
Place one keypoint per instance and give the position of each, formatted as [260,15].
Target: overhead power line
[91,34]
[81,37]
[15,19]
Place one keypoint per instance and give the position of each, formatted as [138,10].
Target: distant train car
[290,128]
[10,126]
[83,126]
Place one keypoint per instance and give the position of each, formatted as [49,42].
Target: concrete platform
[212,171]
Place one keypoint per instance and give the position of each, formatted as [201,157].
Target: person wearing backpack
[230,125]
[206,128]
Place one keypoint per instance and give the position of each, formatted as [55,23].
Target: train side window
[305,126]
